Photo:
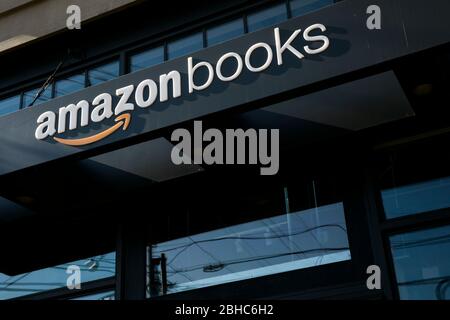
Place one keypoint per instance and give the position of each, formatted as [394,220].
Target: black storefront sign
[352,46]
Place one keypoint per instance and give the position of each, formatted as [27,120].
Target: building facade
[90,193]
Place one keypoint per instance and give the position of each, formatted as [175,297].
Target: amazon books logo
[148,91]
[122,121]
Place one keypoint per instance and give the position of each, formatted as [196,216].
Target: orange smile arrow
[122,120]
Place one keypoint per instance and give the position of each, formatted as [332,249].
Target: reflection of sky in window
[185,45]
[417,198]
[267,17]
[225,32]
[69,85]
[94,268]
[422,264]
[147,59]
[9,105]
[28,97]
[104,73]
[282,243]
[300,7]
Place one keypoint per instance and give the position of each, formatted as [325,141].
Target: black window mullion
[22,100]
[205,38]
[53,89]
[124,63]
[86,79]
[166,52]
[245,24]
[288,8]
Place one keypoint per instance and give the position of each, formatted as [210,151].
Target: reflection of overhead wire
[238,261]
[185,247]
[181,273]
[256,238]
[60,267]
[112,270]
[280,236]
[16,280]
[13,285]
[419,243]
[204,250]
[38,284]
[103,261]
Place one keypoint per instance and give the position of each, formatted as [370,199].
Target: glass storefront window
[415,178]
[267,17]
[9,105]
[69,85]
[282,243]
[416,198]
[147,59]
[301,7]
[422,264]
[94,268]
[103,73]
[29,96]
[185,45]
[225,32]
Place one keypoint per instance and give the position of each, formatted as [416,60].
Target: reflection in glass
[301,7]
[109,295]
[267,17]
[422,264]
[147,59]
[69,85]
[9,105]
[225,32]
[93,268]
[416,198]
[185,45]
[29,96]
[282,243]
[103,73]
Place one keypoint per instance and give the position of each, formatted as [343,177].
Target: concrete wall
[22,21]
[7,5]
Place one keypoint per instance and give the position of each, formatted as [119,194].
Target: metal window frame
[385,227]
[396,226]
[342,273]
